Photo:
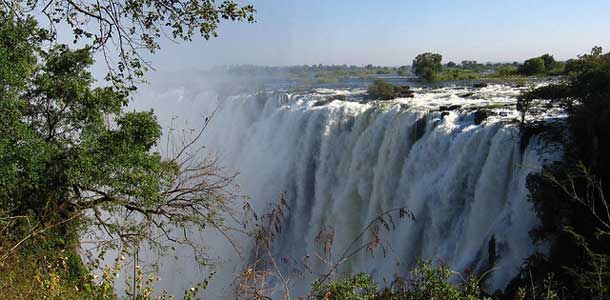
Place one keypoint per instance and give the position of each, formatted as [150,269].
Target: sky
[392,32]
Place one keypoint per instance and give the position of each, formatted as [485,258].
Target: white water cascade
[342,163]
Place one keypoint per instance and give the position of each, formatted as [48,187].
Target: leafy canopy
[570,196]
[73,161]
[533,66]
[427,66]
[123,30]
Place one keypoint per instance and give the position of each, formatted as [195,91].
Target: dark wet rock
[403,92]
[481,115]
[330,99]
[323,102]
[445,113]
[420,128]
[527,132]
[451,107]
[480,85]
[466,95]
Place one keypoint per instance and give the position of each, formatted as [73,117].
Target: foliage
[427,66]
[423,283]
[457,74]
[506,71]
[25,278]
[403,70]
[533,66]
[74,164]
[549,61]
[382,90]
[592,274]
[472,65]
[358,287]
[122,30]
[586,62]
[542,65]
[569,195]
[321,74]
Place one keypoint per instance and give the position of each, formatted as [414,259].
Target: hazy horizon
[392,33]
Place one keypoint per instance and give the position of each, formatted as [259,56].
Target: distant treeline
[427,67]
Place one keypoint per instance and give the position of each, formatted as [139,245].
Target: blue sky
[392,32]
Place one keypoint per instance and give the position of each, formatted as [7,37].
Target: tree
[549,61]
[427,66]
[470,64]
[532,66]
[122,29]
[570,195]
[403,70]
[451,64]
[585,62]
[73,162]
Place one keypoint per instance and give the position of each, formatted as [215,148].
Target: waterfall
[339,164]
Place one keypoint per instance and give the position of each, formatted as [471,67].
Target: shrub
[381,89]
[357,287]
[424,282]
[506,71]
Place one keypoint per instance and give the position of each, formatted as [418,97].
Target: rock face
[466,95]
[330,99]
[481,115]
[324,102]
[404,92]
[447,108]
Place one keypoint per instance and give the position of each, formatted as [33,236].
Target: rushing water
[341,163]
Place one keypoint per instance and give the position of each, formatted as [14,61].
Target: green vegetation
[383,90]
[423,283]
[506,71]
[123,31]
[570,196]
[543,65]
[457,74]
[426,282]
[427,66]
[73,162]
[532,66]
[320,74]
